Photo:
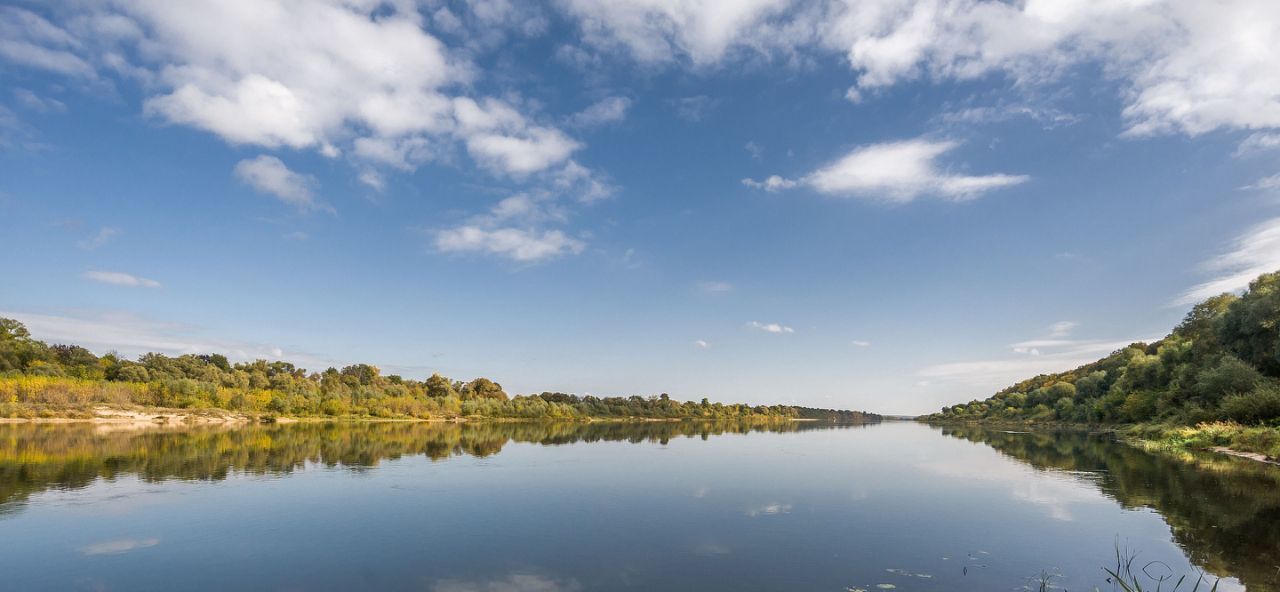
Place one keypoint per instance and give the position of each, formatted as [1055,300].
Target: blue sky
[880,204]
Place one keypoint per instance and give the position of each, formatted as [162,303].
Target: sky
[890,205]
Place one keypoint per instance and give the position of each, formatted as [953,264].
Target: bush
[1263,404]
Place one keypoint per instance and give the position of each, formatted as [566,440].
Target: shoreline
[172,417]
[1217,437]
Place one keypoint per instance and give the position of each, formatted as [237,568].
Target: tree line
[1221,363]
[37,378]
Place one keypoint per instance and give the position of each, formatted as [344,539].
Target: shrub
[1263,404]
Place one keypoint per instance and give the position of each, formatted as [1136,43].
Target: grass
[1257,439]
[1129,576]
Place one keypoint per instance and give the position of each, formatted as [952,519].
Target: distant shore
[104,414]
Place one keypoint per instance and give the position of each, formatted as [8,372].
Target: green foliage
[60,379]
[1261,405]
[1221,362]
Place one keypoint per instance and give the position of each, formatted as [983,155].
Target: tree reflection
[38,457]
[1224,512]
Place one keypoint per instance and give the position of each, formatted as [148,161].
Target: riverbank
[1253,442]
[1259,443]
[148,415]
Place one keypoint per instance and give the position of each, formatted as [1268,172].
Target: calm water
[567,508]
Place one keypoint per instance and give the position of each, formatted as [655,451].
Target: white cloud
[117,278]
[693,109]
[361,78]
[1265,183]
[29,40]
[1258,142]
[701,344]
[896,172]
[657,31]
[605,111]
[861,343]
[1253,253]
[1062,328]
[1038,357]
[104,235]
[35,102]
[1184,66]
[514,243]
[771,184]
[714,287]
[755,150]
[770,327]
[769,509]
[296,235]
[268,174]
[372,179]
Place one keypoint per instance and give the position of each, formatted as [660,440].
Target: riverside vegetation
[42,380]
[1213,381]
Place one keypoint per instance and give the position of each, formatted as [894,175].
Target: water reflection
[1224,512]
[39,457]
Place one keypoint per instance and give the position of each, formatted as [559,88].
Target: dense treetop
[38,377]
[1221,362]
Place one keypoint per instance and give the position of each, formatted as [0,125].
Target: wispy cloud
[1253,253]
[1265,183]
[603,112]
[770,327]
[701,344]
[1062,328]
[117,278]
[103,236]
[268,174]
[861,343]
[515,243]
[772,183]
[693,109]
[1038,357]
[896,172]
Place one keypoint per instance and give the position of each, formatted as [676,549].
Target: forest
[42,380]
[1222,363]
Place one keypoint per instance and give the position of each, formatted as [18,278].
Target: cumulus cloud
[1184,66]
[770,327]
[518,244]
[894,172]
[605,111]
[275,73]
[1253,253]
[117,278]
[267,174]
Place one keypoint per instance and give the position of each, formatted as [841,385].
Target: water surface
[573,507]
